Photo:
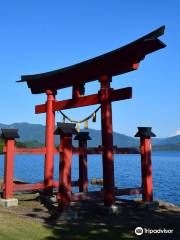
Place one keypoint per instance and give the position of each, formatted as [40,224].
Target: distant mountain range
[36,132]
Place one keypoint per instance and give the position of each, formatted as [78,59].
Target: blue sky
[39,36]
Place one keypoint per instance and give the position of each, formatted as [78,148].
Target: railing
[9,150]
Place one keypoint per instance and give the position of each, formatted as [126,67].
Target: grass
[31,221]
[89,231]
[14,227]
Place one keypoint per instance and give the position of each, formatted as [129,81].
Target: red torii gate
[102,68]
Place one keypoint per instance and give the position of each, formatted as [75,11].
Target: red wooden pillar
[82,137]
[145,135]
[49,141]
[65,130]
[107,141]
[9,135]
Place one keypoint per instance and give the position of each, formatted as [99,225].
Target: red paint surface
[49,157]
[9,169]
[83,175]
[76,150]
[98,150]
[99,194]
[18,187]
[30,150]
[114,95]
[107,142]
[146,169]
[65,171]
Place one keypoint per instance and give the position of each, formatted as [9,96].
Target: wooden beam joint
[111,95]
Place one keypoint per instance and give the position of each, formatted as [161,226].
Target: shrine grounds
[32,220]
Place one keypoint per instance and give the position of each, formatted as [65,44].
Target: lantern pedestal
[11,202]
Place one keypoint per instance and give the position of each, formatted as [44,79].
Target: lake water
[166,172]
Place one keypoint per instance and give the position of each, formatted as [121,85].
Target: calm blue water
[166,172]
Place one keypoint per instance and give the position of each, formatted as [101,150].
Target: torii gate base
[65,149]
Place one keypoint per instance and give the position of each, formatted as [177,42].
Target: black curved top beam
[113,63]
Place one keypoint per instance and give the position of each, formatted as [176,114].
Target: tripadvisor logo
[139,231]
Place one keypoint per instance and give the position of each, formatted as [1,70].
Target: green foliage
[1,146]
[167,147]
[30,144]
[20,145]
